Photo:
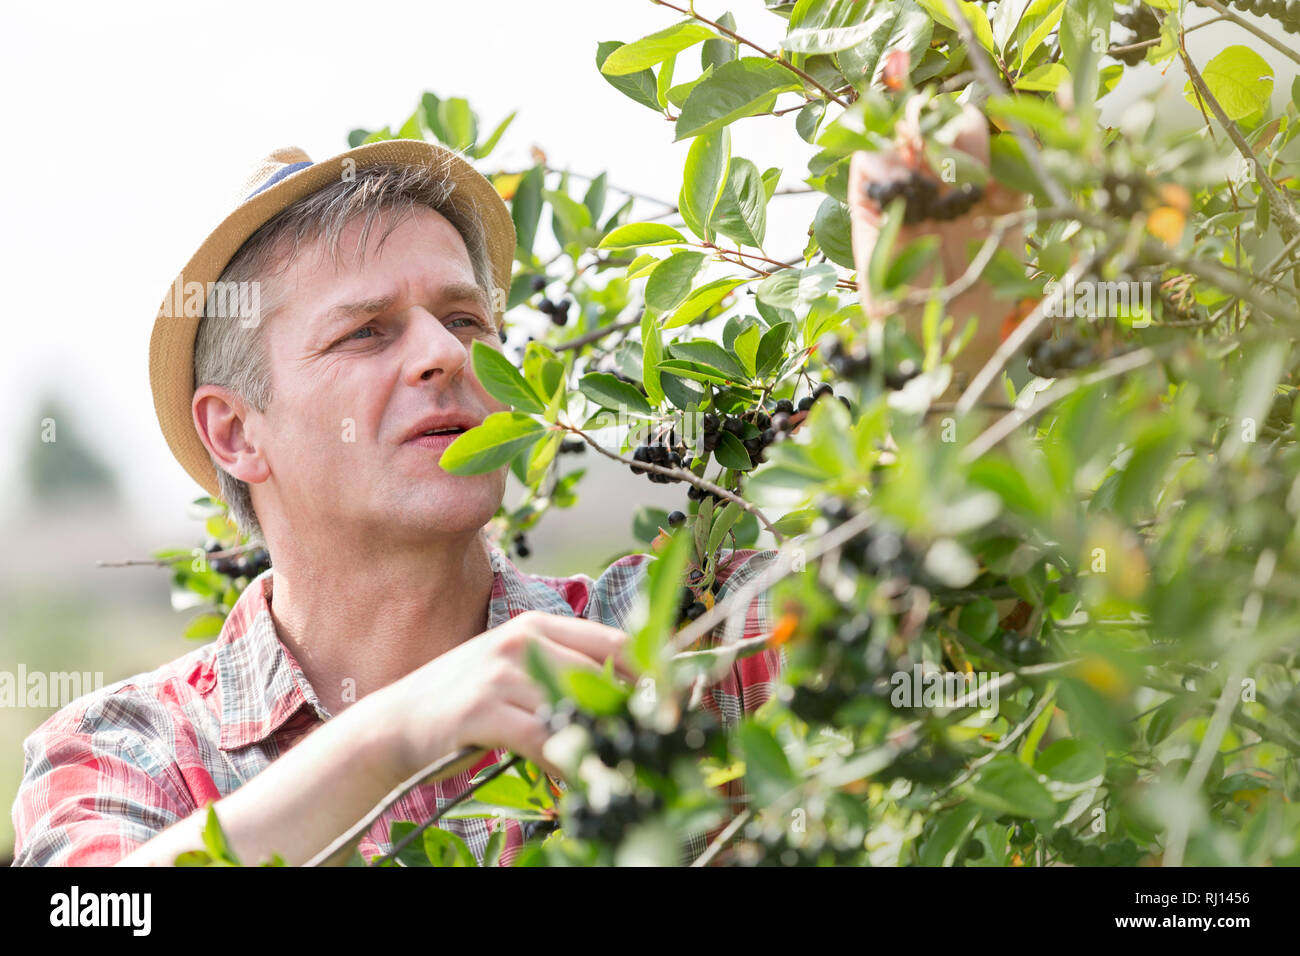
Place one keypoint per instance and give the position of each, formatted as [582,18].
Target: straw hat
[281,179]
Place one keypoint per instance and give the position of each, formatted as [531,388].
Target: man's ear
[219,417]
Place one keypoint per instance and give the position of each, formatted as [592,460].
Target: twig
[1022,333]
[721,839]
[596,335]
[1010,422]
[771,56]
[1288,220]
[460,798]
[440,769]
[682,475]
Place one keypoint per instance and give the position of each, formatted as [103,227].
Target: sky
[129,126]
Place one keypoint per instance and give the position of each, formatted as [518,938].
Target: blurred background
[130,127]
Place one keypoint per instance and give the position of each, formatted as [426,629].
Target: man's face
[361,359]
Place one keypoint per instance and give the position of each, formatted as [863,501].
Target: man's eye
[364,328]
[469,321]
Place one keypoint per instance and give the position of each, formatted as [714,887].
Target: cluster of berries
[1048,358]
[1143,25]
[857,363]
[1072,850]
[618,739]
[689,605]
[521,545]
[669,453]
[247,565]
[924,200]
[558,311]
[1286,12]
[1123,195]
[753,430]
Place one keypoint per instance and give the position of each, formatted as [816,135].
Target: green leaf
[1239,78]
[655,48]
[670,283]
[637,234]
[731,453]
[682,393]
[486,147]
[460,128]
[610,392]
[722,523]
[1080,22]
[979,619]
[746,349]
[214,839]
[719,50]
[771,348]
[1078,763]
[741,212]
[444,848]
[701,299]
[710,354]
[787,288]
[703,178]
[951,830]
[767,770]
[740,88]
[507,790]
[487,447]
[914,257]
[973,14]
[496,843]
[664,585]
[639,86]
[205,626]
[897,25]
[526,208]
[1006,786]
[595,693]
[652,353]
[834,233]
[502,380]
[1039,19]
[883,251]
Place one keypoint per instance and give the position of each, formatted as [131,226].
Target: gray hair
[234,356]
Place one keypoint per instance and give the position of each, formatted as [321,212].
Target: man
[389,633]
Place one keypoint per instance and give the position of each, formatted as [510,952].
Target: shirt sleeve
[96,784]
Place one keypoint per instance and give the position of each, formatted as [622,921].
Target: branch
[1022,333]
[682,475]
[721,839]
[440,769]
[771,56]
[597,335]
[1288,220]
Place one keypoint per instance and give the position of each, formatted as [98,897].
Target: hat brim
[171,345]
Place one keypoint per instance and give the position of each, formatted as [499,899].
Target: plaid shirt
[116,767]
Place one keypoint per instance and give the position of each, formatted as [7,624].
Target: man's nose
[434,349]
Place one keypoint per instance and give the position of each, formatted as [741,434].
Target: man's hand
[907,156]
[481,694]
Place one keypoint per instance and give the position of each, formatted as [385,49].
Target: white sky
[128,126]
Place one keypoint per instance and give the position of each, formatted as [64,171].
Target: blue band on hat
[279,175]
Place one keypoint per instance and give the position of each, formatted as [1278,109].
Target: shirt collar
[261,684]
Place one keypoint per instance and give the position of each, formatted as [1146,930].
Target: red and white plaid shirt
[118,766]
